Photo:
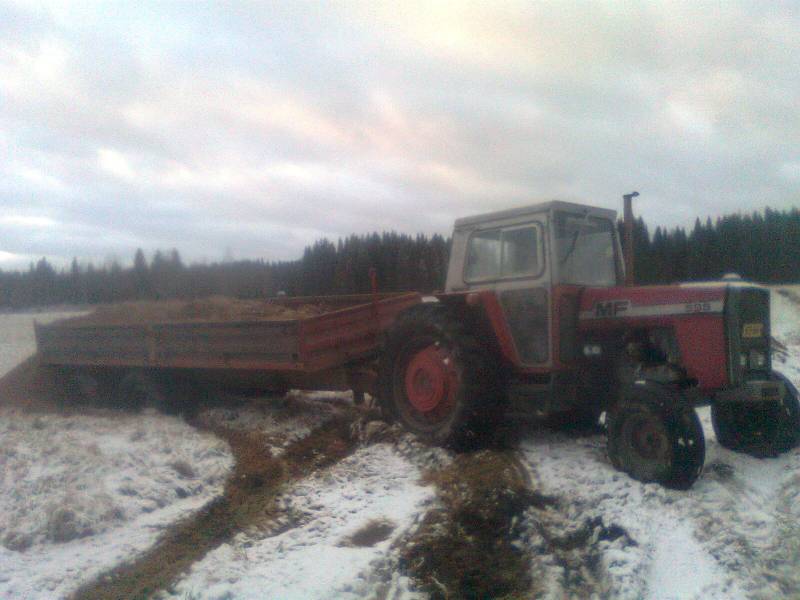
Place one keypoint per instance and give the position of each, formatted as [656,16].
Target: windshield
[585,250]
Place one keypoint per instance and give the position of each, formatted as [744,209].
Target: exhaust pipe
[628,224]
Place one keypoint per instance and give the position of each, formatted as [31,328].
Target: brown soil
[33,388]
[248,502]
[466,549]
[215,308]
[370,534]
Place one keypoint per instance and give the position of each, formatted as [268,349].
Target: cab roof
[531,209]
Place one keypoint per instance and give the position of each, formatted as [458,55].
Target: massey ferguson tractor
[536,318]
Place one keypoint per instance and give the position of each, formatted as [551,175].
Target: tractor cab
[536,259]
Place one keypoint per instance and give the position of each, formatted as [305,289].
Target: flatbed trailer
[332,350]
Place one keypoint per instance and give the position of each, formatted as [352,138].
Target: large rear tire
[437,379]
[763,428]
[654,435]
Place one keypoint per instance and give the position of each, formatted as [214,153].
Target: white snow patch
[279,421]
[312,559]
[81,494]
[17,340]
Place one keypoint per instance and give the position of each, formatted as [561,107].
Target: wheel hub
[430,379]
[649,441]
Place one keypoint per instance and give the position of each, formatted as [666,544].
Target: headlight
[758,359]
[592,350]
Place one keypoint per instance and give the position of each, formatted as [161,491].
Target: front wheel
[761,428]
[437,379]
[654,435]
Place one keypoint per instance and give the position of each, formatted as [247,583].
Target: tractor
[539,319]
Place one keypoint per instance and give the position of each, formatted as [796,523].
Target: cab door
[511,259]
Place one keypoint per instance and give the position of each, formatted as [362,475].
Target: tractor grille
[748,333]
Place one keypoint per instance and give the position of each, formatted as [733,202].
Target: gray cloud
[261,128]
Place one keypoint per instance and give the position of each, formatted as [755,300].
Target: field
[309,496]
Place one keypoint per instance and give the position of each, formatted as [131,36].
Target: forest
[762,246]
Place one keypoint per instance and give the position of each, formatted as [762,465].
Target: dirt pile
[33,388]
[469,548]
[214,308]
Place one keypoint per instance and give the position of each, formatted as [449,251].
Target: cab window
[504,253]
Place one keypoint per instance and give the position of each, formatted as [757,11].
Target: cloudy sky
[255,128]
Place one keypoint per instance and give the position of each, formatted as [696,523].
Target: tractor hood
[722,330]
[608,305]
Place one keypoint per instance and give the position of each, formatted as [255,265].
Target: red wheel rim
[431,380]
[650,441]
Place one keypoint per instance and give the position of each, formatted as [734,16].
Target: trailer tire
[93,388]
[760,429]
[654,435]
[139,389]
[438,380]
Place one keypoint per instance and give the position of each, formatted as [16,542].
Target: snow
[309,556]
[278,421]
[17,341]
[83,493]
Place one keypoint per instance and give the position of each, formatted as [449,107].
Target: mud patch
[469,547]
[370,534]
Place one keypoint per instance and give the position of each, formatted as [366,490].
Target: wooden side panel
[312,344]
[350,334]
[92,345]
[236,344]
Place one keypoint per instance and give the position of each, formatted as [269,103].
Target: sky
[249,130]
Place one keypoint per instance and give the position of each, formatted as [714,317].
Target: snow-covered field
[80,494]
[310,553]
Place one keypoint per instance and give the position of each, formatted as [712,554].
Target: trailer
[334,350]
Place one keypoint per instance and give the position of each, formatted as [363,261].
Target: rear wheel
[437,379]
[654,435]
[763,428]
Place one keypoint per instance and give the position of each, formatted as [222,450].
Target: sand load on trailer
[214,308]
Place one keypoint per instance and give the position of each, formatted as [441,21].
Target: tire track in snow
[248,501]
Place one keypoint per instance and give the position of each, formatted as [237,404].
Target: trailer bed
[352,330]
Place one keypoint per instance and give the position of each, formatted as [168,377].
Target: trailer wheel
[762,429]
[654,435]
[138,390]
[88,387]
[437,379]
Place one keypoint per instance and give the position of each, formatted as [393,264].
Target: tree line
[401,262]
[762,247]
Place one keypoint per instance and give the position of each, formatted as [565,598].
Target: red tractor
[536,319]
